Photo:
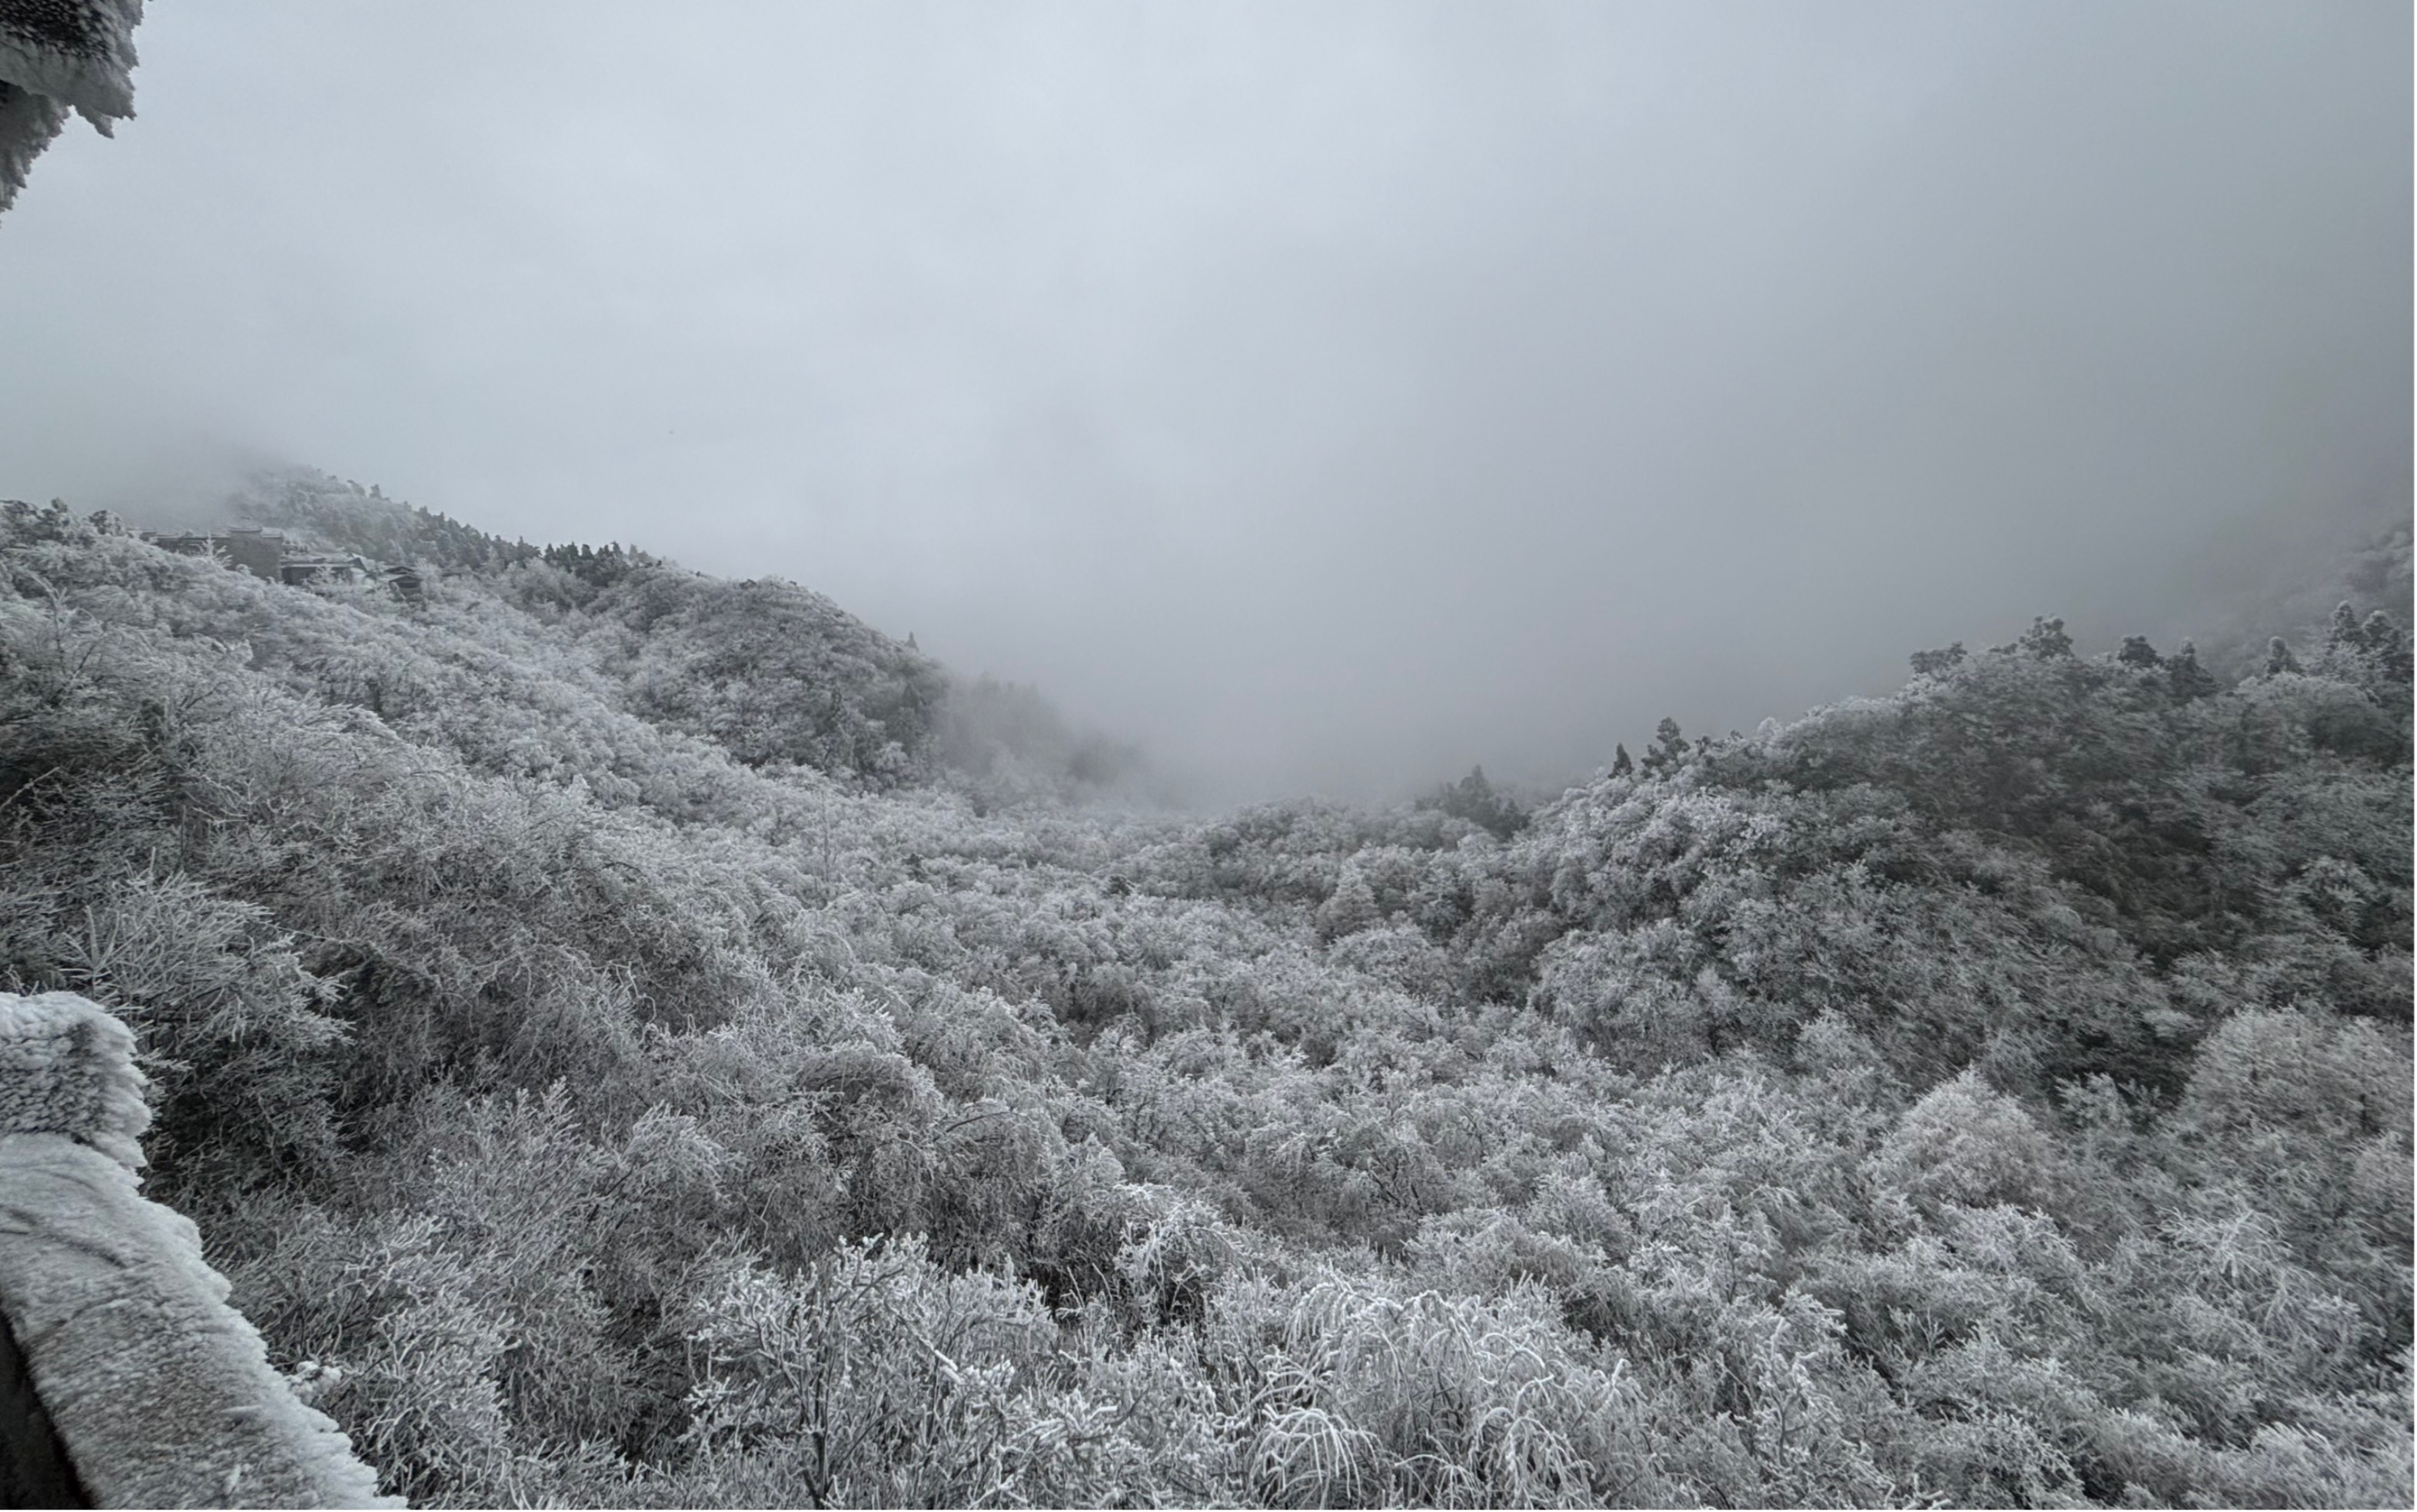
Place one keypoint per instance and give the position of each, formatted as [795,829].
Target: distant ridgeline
[774,674]
[615,1057]
[769,671]
[265,553]
[346,517]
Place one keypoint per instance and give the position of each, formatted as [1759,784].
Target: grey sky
[1330,395]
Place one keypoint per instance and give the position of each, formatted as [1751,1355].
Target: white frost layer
[162,1393]
[96,77]
[27,123]
[54,55]
[66,1066]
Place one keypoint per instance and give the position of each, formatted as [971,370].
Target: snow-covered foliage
[770,673]
[1994,1093]
[159,1393]
[57,57]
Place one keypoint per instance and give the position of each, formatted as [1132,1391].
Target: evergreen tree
[2190,680]
[2387,644]
[1349,909]
[2045,638]
[1668,750]
[2345,631]
[1933,663]
[1474,798]
[1620,763]
[2138,652]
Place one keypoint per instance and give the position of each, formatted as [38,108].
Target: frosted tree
[2190,680]
[1352,907]
[2045,640]
[2137,652]
[1934,663]
[1668,750]
[55,57]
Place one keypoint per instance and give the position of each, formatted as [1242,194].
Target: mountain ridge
[1997,1091]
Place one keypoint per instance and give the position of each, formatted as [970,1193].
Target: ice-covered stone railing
[146,1389]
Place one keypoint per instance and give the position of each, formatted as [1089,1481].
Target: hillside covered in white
[633,1037]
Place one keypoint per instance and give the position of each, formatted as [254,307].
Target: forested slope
[608,1074]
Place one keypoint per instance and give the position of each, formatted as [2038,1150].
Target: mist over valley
[1282,755]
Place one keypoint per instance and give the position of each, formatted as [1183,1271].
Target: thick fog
[1329,396]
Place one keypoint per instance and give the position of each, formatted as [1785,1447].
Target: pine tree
[1933,663]
[1668,750]
[1350,908]
[2138,652]
[2345,632]
[1473,798]
[1620,763]
[2190,680]
[2045,638]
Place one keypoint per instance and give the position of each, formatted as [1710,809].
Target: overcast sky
[1328,394]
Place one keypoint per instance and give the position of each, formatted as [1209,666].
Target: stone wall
[155,1391]
[34,1468]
